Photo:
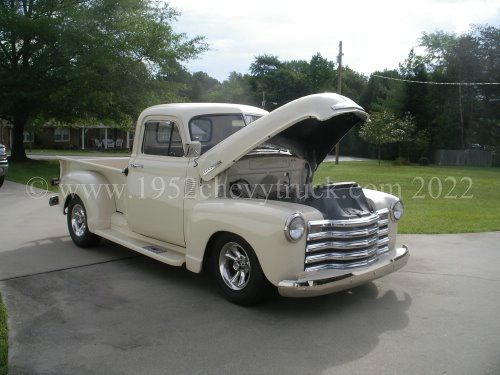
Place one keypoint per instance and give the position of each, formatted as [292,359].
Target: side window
[162,138]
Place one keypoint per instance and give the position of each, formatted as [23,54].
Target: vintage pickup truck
[229,188]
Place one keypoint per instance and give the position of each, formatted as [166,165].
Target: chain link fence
[473,158]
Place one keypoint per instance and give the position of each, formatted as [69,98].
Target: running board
[161,253]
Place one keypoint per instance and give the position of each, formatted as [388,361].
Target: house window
[61,135]
[27,137]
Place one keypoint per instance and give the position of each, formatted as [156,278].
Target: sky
[375,35]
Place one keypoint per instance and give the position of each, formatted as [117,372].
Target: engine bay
[287,178]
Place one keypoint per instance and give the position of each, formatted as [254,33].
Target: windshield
[212,129]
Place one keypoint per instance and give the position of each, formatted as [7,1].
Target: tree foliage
[447,116]
[236,89]
[380,130]
[87,60]
[470,57]
[103,61]
[441,115]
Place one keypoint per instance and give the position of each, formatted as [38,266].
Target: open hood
[309,127]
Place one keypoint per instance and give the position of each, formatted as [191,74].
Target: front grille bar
[316,258]
[341,234]
[349,223]
[347,244]
[334,266]
[342,245]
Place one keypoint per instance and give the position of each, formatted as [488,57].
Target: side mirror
[193,149]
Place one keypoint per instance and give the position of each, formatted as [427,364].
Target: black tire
[77,224]
[232,256]
[2,178]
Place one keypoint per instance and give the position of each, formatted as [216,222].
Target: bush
[423,161]
[401,161]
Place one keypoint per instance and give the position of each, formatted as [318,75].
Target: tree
[85,60]
[321,74]
[404,131]
[466,112]
[199,84]
[353,84]
[236,89]
[379,130]
[280,81]
[265,64]
[380,94]
[416,98]
[422,142]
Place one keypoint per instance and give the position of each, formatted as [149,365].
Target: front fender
[91,188]
[260,223]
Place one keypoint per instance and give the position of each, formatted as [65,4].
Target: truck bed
[110,167]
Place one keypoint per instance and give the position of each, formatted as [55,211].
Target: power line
[439,83]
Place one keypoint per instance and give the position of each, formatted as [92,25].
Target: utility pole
[462,139]
[339,91]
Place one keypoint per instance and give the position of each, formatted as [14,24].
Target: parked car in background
[4,164]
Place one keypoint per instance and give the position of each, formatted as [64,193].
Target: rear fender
[91,188]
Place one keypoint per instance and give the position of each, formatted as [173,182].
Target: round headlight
[397,210]
[295,227]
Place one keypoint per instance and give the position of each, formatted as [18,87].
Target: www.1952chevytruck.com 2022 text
[229,188]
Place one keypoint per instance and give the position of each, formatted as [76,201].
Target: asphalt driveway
[111,311]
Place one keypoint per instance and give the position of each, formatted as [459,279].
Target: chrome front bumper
[318,287]
[4,167]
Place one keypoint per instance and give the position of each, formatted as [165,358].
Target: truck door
[155,182]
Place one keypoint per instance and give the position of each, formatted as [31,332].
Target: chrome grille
[346,244]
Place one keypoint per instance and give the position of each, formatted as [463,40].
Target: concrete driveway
[110,311]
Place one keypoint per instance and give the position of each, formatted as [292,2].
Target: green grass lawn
[3,339]
[28,172]
[436,199]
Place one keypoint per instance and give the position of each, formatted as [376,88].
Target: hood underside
[312,140]
[309,127]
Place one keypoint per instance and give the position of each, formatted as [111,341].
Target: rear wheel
[77,224]
[1,180]
[238,272]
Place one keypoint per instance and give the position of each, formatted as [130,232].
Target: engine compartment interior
[274,177]
[289,178]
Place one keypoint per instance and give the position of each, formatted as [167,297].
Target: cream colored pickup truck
[228,188]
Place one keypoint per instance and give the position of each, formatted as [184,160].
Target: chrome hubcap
[78,220]
[234,266]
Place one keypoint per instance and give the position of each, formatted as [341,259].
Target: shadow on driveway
[140,316]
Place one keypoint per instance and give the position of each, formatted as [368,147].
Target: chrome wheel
[78,226]
[234,266]
[78,221]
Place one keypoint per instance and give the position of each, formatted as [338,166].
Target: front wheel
[77,224]
[238,272]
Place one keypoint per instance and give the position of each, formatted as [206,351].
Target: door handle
[134,165]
